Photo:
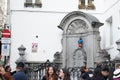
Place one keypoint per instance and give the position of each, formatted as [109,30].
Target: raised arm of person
[5,74]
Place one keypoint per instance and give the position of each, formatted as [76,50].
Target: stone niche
[76,25]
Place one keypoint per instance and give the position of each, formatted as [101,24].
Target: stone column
[64,52]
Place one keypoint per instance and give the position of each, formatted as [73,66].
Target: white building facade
[3,7]
[111,30]
[36,25]
[3,19]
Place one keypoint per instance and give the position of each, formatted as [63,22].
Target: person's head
[61,73]
[20,65]
[84,69]
[118,66]
[116,74]
[105,71]
[98,64]
[64,74]
[51,72]
[8,68]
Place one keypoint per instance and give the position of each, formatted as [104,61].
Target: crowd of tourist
[101,72]
[18,74]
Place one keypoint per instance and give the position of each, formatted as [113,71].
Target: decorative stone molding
[58,59]
[79,57]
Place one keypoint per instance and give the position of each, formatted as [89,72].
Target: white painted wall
[109,3]
[26,23]
[24,31]
[57,5]
[114,12]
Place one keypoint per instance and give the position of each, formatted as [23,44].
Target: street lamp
[21,53]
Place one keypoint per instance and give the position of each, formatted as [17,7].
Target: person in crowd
[4,75]
[13,72]
[51,74]
[90,74]
[64,74]
[116,74]
[20,74]
[85,73]
[111,70]
[97,72]
[101,74]
[118,66]
[8,69]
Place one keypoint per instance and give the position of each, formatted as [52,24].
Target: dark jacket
[85,76]
[100,77]
[20,75]
[44,78]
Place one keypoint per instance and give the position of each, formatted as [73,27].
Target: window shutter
[38,3]
[81,4]
[28,3]
[90,5]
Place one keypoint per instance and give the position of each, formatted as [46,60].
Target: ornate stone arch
[75,25]
[91,21]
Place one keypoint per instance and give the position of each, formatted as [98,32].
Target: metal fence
[37,74]
[37,71]
[74,73]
